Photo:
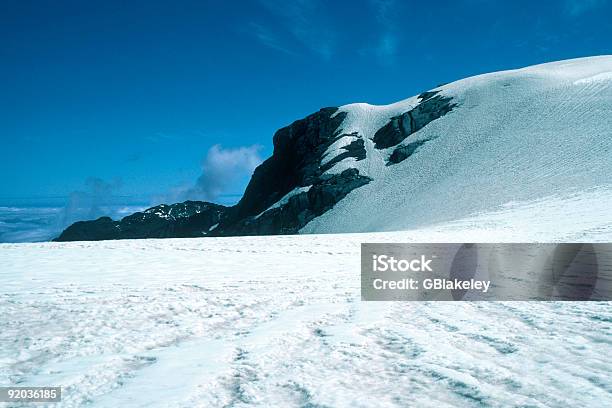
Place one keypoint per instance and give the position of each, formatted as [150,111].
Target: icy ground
[278,321]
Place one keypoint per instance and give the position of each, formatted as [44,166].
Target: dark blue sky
[134,94]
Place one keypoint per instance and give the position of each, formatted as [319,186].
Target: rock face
[188,219]
[295,164]
[431,107]
[300,208]
[401,153]
[98,230]
[293,186]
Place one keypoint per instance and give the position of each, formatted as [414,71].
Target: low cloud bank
[225,171]
[97,198]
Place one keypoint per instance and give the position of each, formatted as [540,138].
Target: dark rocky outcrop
[431,107]
[300,208]
[101,229]
[355,149]
[401,153]
[295,162]
[188,219]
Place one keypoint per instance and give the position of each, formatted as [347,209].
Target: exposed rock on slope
[298,209]
[285,192]
[464,148]
[188,219]
[295,185]
[431,107]
[295,169]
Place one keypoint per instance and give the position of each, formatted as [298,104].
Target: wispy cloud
[576,8]
[302,23]
[269,39]
[385,48]
[222,170]
[93,201]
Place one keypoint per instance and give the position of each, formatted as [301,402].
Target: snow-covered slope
[278,321]
[538,133]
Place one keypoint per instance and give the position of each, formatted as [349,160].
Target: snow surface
[515,136]
[278,321]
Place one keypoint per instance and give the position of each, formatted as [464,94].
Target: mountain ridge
[462,148]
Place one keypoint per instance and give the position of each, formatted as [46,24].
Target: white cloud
[221,170]
[29,224]
[90,203]
[95,199]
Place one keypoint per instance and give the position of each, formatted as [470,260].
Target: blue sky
[147,101]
